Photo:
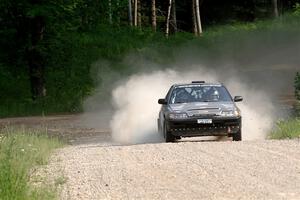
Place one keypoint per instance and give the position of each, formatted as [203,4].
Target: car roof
[178,85]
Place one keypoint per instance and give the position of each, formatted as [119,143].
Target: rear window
[201,93]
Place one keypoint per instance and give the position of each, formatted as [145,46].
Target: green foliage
[19,152]
[70,56]
[78,35]
[297,9]
[297,86]
[286,129]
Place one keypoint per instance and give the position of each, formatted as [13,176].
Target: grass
[286,129]
[20,151]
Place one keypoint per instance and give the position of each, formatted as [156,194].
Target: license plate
[204,121]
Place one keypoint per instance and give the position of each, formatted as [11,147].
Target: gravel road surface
[183,170]
[93,167]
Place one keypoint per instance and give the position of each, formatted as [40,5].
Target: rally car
[199,109]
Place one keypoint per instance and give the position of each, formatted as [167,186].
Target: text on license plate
[204,121]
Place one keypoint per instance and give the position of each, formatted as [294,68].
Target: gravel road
[93,167]
[183,170]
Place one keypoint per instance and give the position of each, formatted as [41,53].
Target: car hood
[202,108]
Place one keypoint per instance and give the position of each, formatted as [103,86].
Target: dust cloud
[135,101]
[260,66]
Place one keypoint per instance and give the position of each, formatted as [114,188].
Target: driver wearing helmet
[212,95]
[182,96]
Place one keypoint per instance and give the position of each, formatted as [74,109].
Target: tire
[167,135]
[177,137]
[237,136]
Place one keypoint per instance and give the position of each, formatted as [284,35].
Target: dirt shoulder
[72,129]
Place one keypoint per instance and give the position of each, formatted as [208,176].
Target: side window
[173,96]
[224,95]
[169,94]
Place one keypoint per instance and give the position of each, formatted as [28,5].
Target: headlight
[178,116]
[230,113]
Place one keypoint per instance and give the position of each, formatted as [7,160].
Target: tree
[275,8]
[153,15]
[110,11]
[135,12]
[139,13]
[174,19]
[168,18]
[194,20]
[129,12]
[35,58]
[199,25]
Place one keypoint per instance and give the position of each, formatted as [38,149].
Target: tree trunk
[139,13]
[195,30]
[110,12]
[135,12]
[118,14]
[168,18]
[199,26]
[275,8]
[35,58]
[153,15]
[174,18]
[129,12]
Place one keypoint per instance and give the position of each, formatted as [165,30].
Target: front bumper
[220,126]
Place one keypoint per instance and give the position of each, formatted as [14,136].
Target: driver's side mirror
[162,101]
[238,98]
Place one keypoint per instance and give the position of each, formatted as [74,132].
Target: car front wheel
[167,135]
[237,136]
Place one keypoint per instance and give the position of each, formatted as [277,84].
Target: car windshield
[201,93]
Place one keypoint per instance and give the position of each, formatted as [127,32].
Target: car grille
[195,125]
[203,112]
